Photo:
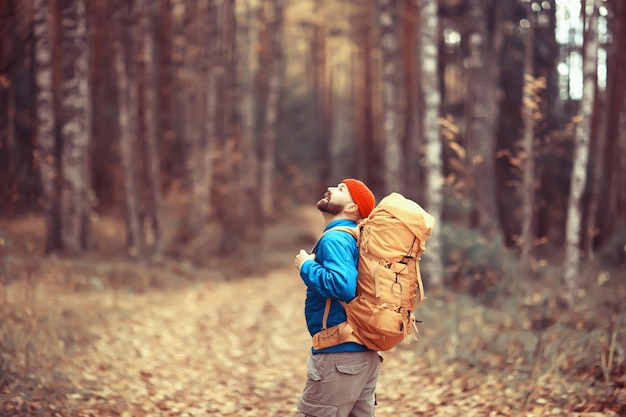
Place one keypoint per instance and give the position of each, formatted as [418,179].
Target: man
[341,379]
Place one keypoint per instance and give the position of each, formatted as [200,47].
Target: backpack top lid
[411,214]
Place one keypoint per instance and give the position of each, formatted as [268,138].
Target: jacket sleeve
[333,273]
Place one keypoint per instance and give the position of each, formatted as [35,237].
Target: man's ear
[351,208]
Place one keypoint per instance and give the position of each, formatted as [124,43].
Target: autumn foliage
[103,336]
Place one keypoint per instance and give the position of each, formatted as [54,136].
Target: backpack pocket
[378,327]
[386,321]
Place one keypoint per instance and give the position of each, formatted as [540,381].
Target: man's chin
[327,207]
[322,205]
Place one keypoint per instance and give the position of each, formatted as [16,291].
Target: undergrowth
[534,337]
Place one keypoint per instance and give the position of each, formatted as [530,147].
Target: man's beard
[325,206]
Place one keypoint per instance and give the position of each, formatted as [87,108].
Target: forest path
[217,347]
[221,349]
[214,349]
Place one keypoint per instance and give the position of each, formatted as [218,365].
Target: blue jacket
[333,274]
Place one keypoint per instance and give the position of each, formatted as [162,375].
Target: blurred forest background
[179,132]
[505,118]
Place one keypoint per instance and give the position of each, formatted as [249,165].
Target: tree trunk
[150,106]
[581,156]
[228,188]
[389,46]
[339,73]
[414,120]
[319,61]
[249,60]
[597,172]
[211,94]
[362,95]
[621,189]
[127,113]
[271,110]
[527,154]
[614,149]
[193,73]
[76,129]
[428,58]
[483,76]
[178,50]
[48,164]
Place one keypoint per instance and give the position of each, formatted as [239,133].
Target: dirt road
[218,347]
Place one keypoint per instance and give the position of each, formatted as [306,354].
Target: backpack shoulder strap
[354,231]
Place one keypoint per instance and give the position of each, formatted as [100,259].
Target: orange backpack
[389,287]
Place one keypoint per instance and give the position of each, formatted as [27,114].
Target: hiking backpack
[389,286]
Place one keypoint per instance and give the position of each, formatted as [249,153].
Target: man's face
[335,199]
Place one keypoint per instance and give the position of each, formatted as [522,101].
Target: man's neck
[329,218]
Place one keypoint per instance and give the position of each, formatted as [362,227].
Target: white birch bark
[48,164]
[428,57]
[76,127]
[581,156]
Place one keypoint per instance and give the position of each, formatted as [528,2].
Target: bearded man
[341,379]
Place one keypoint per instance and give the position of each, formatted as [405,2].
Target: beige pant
[340,385]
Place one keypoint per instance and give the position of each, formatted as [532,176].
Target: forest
[160,161]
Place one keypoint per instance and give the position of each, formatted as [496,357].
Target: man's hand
[301,257]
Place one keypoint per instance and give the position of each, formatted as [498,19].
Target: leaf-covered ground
[77,340]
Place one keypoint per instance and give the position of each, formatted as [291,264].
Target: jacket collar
[340,222]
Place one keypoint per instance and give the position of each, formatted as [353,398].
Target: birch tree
[582,134]
[428,57]
[76,129]
[48,164]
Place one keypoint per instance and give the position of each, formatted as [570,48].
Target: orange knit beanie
[362,196]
